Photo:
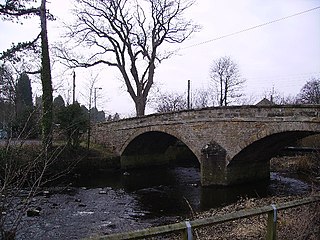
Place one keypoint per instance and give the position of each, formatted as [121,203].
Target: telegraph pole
[74,88]
[188,100]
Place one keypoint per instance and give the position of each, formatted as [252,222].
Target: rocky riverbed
[120,202]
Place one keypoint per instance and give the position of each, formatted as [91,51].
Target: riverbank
[297,223]
[113,201]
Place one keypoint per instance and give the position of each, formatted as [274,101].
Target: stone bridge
[232,144]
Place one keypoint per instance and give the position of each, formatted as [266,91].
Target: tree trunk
[140,103]
[46,82]
[221,91]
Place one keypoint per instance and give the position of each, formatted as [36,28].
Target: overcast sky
[282,55]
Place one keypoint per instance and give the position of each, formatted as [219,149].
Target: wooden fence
[186,228]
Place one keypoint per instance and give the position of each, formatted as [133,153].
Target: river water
[115,201]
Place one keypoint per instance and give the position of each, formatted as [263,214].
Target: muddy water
[113,201]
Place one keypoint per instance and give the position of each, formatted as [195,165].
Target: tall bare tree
[127,34]
[225,74]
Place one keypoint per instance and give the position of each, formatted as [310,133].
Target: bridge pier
[216,171]
[213,165]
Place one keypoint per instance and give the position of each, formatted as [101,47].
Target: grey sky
[283,55]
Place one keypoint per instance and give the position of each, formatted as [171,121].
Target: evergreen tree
[58,102]
[58,105]
[24,93]
[73,122]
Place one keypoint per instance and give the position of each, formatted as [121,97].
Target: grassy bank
[306,164]
[297,223]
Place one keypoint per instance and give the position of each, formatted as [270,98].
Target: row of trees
[17,110]
[21,118]
[227,87]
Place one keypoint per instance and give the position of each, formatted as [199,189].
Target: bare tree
[310,93]
[201,98]
[127,34]
[7,84]
[279,98]
[170,102]
[225,75]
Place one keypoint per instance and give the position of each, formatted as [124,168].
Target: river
[114,201]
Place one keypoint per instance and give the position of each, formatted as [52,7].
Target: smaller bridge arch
[266,131]
[253,161]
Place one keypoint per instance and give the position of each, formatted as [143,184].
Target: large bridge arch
[150,147]
[168,131]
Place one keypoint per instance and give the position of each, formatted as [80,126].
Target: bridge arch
[150,148]
[264,148]
[253,161]
[168,131]
[266,131]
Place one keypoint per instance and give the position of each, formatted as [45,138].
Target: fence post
[272,224]
[187,234]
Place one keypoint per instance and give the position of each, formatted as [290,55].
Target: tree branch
[10,53]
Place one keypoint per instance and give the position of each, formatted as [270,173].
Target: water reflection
[173,190]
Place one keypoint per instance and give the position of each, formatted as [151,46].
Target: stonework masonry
[233,144]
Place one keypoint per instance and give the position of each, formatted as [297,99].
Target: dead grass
[293,224]
[296,223]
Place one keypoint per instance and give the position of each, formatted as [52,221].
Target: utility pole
[188,100]
[74,88]
[89,119]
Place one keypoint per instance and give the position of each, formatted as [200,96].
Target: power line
[251,28]
[285,77]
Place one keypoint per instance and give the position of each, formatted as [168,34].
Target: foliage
[97,116]
[26,124]
[310,93]
[225,75]
[18,116]
[73,123]
[128,34]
